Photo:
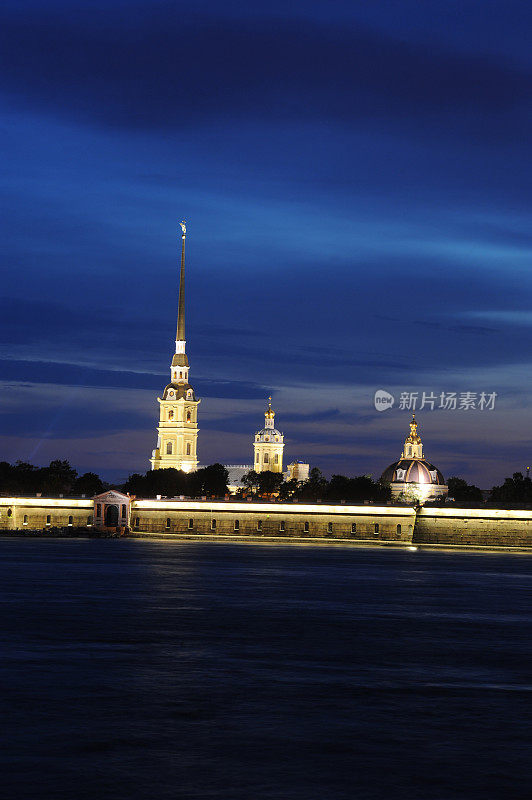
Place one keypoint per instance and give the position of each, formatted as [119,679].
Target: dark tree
[166,482]
[313,489]
[19,479]
[269,482]
[514,490]
[356,490]
[250,480]
[88,484]
[58,478]
[460,490]
[288,489]
[209,481]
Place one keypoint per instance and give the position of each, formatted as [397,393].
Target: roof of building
[412,470]
[236,473]
[179,389]
[268,432]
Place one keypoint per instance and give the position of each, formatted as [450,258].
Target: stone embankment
[277,522]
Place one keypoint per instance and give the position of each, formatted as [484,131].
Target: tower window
[266,458]
[353,527]
[276,459]
[71,520]
[213,524]
[169,449]
[170,415]
[25,519]
[168,522]
[306,527]
[190,524]
[48,519]
[281,526]
[398,530]
[376,527]
[257,456]
[259,524]
[188,448]
[236,526]
[188,416]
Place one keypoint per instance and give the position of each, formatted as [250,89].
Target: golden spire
[180,335]
[413,437]
[270,414]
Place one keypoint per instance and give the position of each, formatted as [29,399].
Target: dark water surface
[136,669]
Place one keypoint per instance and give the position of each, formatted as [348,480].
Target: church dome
[413,470]
[272,432]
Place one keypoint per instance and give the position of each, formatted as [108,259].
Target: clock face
[171,393]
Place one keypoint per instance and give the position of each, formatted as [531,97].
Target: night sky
[356,181]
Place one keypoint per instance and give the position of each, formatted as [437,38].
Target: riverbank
[263,540]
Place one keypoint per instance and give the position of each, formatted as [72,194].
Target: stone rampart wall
[273,519]
[470,527]
[18,513]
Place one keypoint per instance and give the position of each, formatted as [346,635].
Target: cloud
[149,67]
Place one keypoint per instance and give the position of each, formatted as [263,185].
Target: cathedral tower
[413,447]
[178,408]
[268,445]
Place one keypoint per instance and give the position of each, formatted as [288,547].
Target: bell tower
[268,445]
[177,432]
[413,447]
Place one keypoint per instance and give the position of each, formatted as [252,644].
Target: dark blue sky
[356,179]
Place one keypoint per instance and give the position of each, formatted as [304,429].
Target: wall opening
[111,516]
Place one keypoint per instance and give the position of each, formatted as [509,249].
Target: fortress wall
[465,526]
[437,526]
[274,519]
[18,513]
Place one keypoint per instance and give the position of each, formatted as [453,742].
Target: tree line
[55,479]
[59,477]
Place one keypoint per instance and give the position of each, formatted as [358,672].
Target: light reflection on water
[136,669]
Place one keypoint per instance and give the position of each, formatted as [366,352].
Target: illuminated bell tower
[268,445]
[178,408]
[413,447]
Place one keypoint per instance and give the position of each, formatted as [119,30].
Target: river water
[141,669]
